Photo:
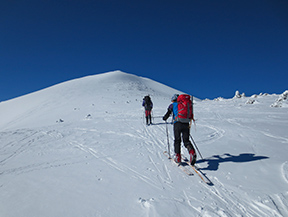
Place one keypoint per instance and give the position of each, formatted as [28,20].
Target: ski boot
[193,156]
[177,158]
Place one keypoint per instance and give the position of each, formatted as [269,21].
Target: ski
[181,165]
[197,171]
[202,176]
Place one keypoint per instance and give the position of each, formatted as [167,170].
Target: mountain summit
[107,92]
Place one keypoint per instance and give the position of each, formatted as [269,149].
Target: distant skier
[181,126]
[148,105]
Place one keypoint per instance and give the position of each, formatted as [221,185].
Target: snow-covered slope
[102,160]
[103,95]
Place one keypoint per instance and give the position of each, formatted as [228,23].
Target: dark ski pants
[148,116]
[181,128]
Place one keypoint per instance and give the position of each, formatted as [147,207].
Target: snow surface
[81,148]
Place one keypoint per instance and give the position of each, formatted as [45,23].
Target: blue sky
[205,48]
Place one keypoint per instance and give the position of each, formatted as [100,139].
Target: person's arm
[168,113]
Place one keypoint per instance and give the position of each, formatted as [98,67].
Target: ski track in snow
[25,141]
[126,169]
[284,170]
[226,199]
[209,133]
[282,139]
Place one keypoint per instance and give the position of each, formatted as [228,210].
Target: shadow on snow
[216,160]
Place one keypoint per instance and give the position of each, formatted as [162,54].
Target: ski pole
[196,146]
[168,140]
[193,120]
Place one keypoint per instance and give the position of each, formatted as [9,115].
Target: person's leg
[147,114]
[185,135]
[188,144]
[177,138]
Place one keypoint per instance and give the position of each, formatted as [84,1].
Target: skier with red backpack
[181,109]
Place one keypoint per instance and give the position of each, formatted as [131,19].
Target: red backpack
[185,108]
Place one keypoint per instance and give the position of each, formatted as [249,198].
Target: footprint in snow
[146,203]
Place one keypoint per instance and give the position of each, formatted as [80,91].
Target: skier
[148,105]
[180,128]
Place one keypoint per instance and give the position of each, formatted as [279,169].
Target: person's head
[174,97]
